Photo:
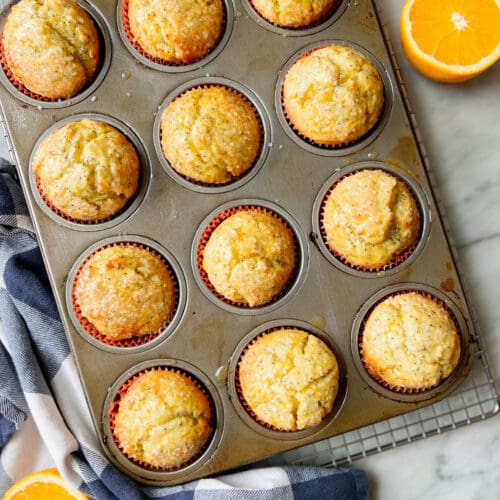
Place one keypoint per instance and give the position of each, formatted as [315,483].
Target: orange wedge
[451,40]
[43,485]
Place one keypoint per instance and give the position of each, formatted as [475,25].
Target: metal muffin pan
[207,336]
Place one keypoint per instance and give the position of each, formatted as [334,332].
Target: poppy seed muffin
[333,95]
[250,257]
[51,47]
[289,379]
[370,218]
[410,341]
[293,13]
[87,170]
[179,32]
[124,291]
[210,134]
[164,419]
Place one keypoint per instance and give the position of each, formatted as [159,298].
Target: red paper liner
[214,223]
[261,143]
[317,144]
[331,11]
[158,60]
[115,405]
[239,390]
[135,340]
[381,381]
[397,259]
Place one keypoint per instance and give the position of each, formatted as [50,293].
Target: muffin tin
[206,337]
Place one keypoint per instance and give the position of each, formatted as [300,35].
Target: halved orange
[43,485]
[451,40]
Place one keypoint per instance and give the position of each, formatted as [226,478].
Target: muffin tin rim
[182,301]
[215,439]
[343,386]
[420,197]
[145,174]
[302,265]
[106,47]
[446,385]
[264,118]
[364,140]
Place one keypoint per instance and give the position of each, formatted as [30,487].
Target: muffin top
[289,378]
[370,217]
[125,291]
[210,135]
[250,257]
[333,95]
[293,13]
[164,419]
[87,169]
[410,341]
[51,47]
[179,32]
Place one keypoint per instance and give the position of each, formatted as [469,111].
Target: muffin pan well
[290,178]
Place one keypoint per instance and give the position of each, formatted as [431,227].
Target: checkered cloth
[44,420]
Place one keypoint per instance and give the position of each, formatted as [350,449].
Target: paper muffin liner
[115,405]
[239,390]
[397,259]
[261,143]
[321,145]
[135,340]
[335,5]
[88,222]
[381,381]
[158,60]
[214,223]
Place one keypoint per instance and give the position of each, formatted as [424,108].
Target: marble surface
[461,132]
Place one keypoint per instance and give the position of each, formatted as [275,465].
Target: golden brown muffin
[210,135]
[410,341]
[179,32]
[333,95]
[370,218]
[125,291]
[51,47]
[250,257]
[293,13]
[86,169]
[164,419]
[289,378]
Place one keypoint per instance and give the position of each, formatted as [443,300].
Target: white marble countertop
[461,132]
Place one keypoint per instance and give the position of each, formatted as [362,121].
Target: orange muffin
[211,134]
[87,170]
[370,219]
[51,47]
[289,379]
[164,419]
[250,257]
[124,291]
[333,95]
[179,32]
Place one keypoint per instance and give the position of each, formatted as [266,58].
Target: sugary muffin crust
[333,95]
[410,341]
[87,169]
[125,291]
[164,419]
[370,218]
[179,32]
[289,378]
[210,134]
[250,257]
[51,47]
[293,13]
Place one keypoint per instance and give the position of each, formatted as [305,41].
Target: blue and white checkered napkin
[44,420]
